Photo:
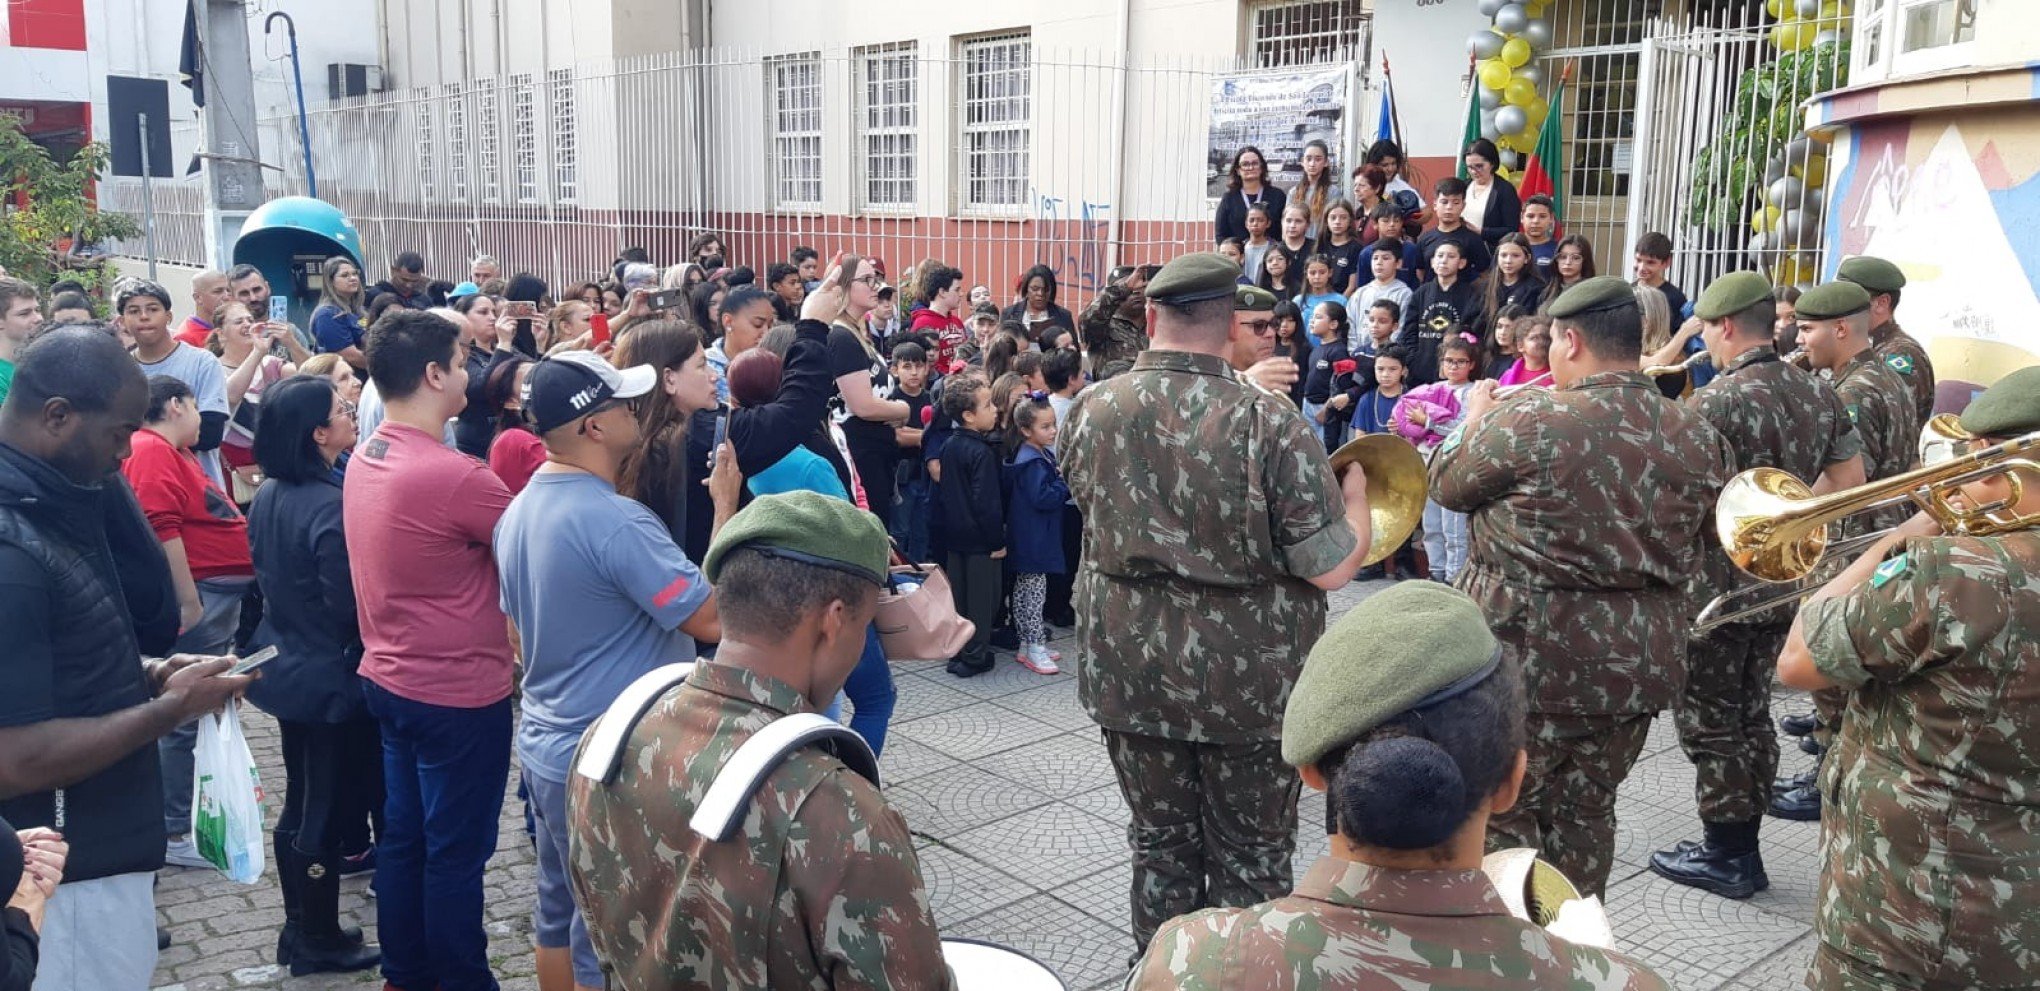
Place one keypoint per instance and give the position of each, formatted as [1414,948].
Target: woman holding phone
[332,753]
[246,352]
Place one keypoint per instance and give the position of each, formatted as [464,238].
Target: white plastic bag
[226,803]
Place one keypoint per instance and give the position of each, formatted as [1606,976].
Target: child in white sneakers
[1035,494]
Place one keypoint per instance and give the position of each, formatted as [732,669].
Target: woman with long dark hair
[662,475]
[1492,207]
[338,325]
[1037,309]
[1247,184]
[332,754]
[1314,191]
[1572,262]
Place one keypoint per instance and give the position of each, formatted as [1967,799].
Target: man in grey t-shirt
[143,308]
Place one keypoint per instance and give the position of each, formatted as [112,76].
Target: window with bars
[997,121]
[456,143]
[794,106]
[1604,38]
[524,137]
[887,88]
[1301,32]
[427,137]
[489,140]
[565,174]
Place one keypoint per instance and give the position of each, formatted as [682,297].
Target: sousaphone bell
[1395,488]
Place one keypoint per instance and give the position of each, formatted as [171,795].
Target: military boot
[1726,863]
[1797,798]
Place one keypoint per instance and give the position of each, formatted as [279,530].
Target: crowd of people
[480,517]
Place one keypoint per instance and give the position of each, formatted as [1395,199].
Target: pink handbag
[917,619]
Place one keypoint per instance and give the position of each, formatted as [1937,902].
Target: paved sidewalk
[1022,840]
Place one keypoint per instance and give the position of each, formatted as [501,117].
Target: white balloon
[1806,9]
[1489,131]
[1484,44]
[1511,18]
[1489,99]
[1760,247]
[1488,7]
[1534,72]
[1510,158]
[1826,38]
[1785,193]
[1538,34]
[1511,120]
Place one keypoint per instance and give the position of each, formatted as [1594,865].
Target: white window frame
[566,174]
[524,139]
[1333,31]
[1878,52]
[998,91]
[793,126]
[489,139]
[456,143]
[426,140]
[887,89]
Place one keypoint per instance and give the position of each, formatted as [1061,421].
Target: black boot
[321,945]
[1726,862]
[1798,798]
[1801,725]
[1809,745]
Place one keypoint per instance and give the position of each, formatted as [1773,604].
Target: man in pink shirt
[437,664]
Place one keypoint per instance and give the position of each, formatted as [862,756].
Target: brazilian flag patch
[1897,567]
[1852,413]
[1902,364]
[1452,439]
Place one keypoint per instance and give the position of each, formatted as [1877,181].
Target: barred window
[997,119]
[795,108]
[489,136]
[524,135]
[1302,32]
[456,143]
[421,115]
[565,177]
[888,86]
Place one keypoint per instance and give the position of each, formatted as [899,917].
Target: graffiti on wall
[1069,238]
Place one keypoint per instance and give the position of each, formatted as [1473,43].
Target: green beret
[1412,645]
[1874,274]
[1253,299]
[1602,292]
[1731,294]
[1194,278]
[808,527]
[2011,408]
[1832,301]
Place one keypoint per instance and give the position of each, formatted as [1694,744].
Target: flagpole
[1394,112]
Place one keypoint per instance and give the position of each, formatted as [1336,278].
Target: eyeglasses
[873,280]
[349,410]
[1457,361]
[1261,328]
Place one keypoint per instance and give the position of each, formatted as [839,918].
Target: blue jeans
[557,922]
[444,771]
[871,692]
[910,520]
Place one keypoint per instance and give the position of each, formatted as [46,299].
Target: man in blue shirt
[599,593]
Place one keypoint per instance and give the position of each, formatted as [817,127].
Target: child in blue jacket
[1035,494]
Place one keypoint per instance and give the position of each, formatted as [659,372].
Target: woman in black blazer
[1249,185]
[1503,213]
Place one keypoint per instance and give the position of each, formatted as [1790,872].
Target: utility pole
[228,128]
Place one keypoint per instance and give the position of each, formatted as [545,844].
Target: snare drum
[981,966]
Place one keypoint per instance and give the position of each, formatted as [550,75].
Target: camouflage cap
[1832,301]
[1416,644]
[1194,278]
[1731,294]
[1872,273]
[2011,408]
[807,527]
[1253,299]
[1602,292]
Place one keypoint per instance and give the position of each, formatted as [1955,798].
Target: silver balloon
[1759,248]
[1511,119]
[1488,7]
[1797,149]
[1807,9]
[1511,18]
[1538,34]
[1510,158]
[1533,71]
[1799,229]
[1489,99]
[1827,38]
[1776,170]
[1484,44]
[1785,193]
[1489,131]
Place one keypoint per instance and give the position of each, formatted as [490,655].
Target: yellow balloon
[1537,108]
[1813,169]
[1765,219]
[1793,35]
[1775,8]
[1515,52]
[1520,92]
[1494,74]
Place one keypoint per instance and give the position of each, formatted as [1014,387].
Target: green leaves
[36,242]
[1728,174]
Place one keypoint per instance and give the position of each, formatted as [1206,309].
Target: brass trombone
[1692,360]
[1396,488]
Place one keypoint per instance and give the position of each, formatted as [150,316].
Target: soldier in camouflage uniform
[1929,880]
[1114,326]
[1894,347]
[1773,415]
[1588,501]
[1834,328]
[820,887]
[1214,528]
[1407,689]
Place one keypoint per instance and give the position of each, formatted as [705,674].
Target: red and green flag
[1541,169]
[1472,116]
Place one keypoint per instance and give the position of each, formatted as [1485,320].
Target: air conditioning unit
[345,79]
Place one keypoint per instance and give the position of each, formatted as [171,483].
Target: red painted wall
[58,24]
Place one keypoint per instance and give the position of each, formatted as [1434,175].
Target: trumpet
[1396,488]
[1693,360]
[1540,382]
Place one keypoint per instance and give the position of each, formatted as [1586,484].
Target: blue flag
[1384,128]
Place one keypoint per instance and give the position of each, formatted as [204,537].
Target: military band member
[1896,348]
[1115,324]
[820,887]
[1929,880]
[1215,527]
[1588,501]
[1773,415]
[1411,721]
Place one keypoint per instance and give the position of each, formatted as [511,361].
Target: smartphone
[722,433]
[667,299]
[598,329]
[279,309]
[520,309]
[254,660]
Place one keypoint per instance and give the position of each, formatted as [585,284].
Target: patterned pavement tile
[975,731]
[1696,940]
[1784,970]
[906,758]
[1005,677]
[1060,766]
[1055,704]
[1052,844]
[961,886]
[922,697]
[952,800]
[1106,803]
[1085,951]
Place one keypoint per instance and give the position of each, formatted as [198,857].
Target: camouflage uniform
[1114,329]
[1208,504]
[1352,926]
[1905,356]
[1930,879]
[1773,415]
[1587,506]
[821,889]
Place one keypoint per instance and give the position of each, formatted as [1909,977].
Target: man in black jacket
[84,591]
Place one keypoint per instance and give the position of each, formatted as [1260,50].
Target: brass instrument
[1395,488]
[1692,360]
[1540,382]
[1799,357]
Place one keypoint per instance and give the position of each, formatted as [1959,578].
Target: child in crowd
[1372,415]
[1512,282]
[1028,366]
[973,518]
[1259,223]
[983,326]
[910,386]
[1235,250]
[1276,275]
[1035,495]
[1295,241]
[1571,263]
[1341,246]
[1006,392]
[1424,417]
[1540,222]
[1440,308]
[1502,353]
[1333,383]
[1384,321]
[1449,207]
[1317,285]
[1291,343]
[1533,364]
[1390,225]
[1653,258]
[517,452]
[1384,260]
[1063,371]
